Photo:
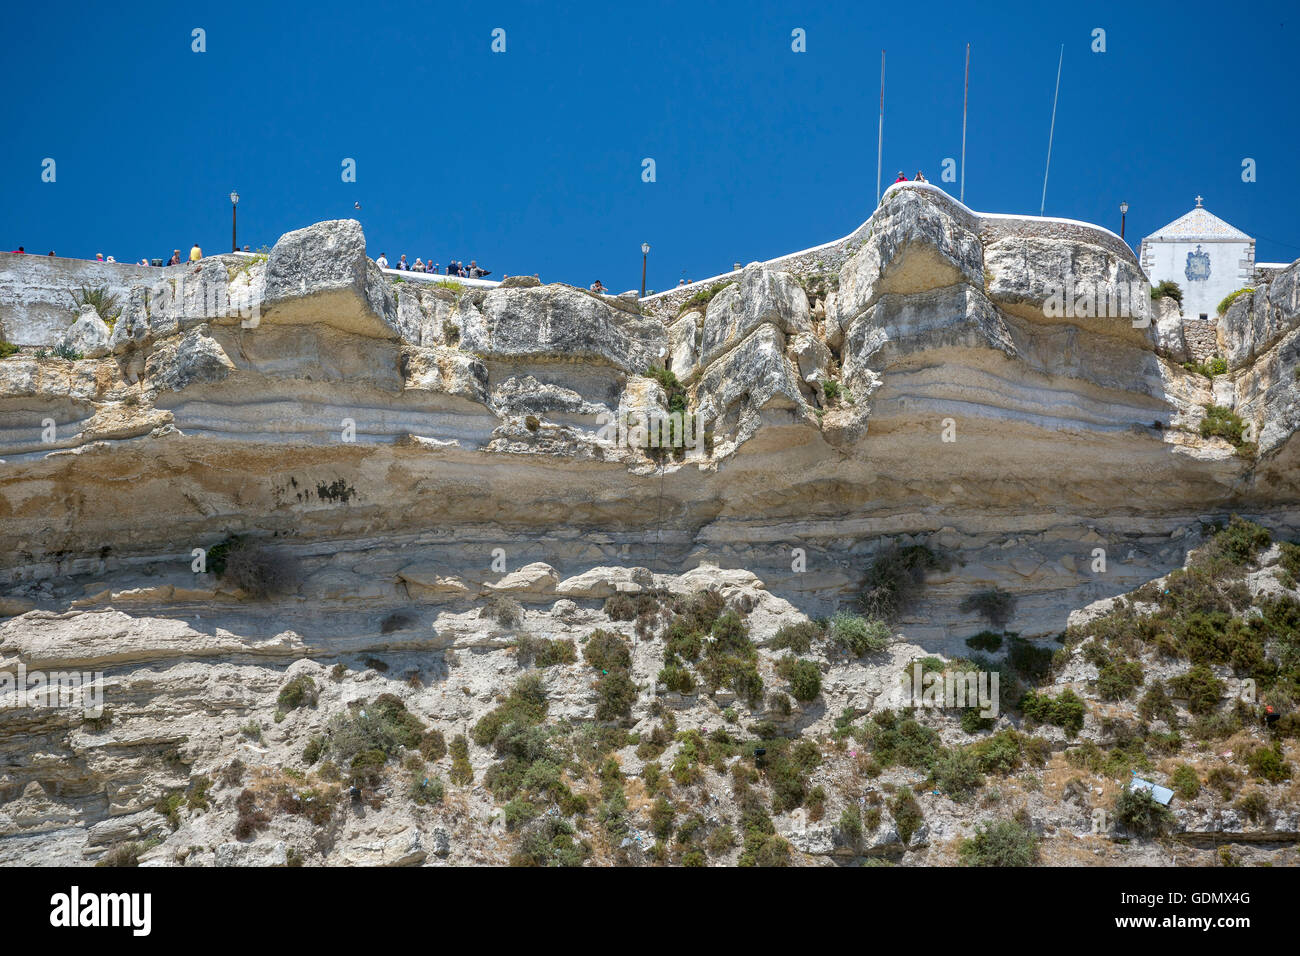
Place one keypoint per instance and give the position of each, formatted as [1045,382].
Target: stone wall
[1202,339]
[35,306]
[831,256]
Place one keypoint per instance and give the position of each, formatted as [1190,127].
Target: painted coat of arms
[1198,266]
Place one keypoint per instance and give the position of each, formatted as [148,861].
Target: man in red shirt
[901,178]
[20,251]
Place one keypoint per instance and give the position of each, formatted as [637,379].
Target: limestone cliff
[414,449]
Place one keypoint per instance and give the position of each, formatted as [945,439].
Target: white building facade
[1207,257]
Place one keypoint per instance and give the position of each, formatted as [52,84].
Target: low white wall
[35,305]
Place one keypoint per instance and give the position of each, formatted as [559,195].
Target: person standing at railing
[382,261]
[475,272]
[419,265]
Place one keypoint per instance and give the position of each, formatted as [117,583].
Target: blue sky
[531,160]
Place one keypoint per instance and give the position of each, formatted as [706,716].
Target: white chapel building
[1206,256]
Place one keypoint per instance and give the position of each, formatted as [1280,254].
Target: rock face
[437,465]
[321,275]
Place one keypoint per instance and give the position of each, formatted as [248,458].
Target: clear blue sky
[530,160]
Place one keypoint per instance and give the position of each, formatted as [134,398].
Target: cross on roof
[1198,201]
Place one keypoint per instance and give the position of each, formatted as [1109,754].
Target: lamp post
[1123,214]
[645,251]
[234,201]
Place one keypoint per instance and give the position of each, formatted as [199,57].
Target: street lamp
[1123,214]
[234,201]
[645,251]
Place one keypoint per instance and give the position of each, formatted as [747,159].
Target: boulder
[557,322]
[753,383]
[915,245]
[322,274]
[196,359]
[88,335]
[1067,281]
[761,296]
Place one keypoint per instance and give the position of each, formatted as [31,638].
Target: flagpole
[1043,205]
[961,196]
[880,139]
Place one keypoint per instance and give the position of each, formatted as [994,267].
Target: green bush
[1184,782]
[858,635]
[615,695]
[701,299]
[1254,804]
[461,772]
[677,679]
[906,742]
[1223,422]
[544,652]
[1199,687]
[1268,763]
[957,773]
[1167,288]
[1028,659]
[299,692]
[607,651]
[1141,814]
[106,304]
[1066,710]
[1001,843]
[906,813]
[851,827]
[1232,297]
[799,637]
[805,679]
[673,389]
[525,705]
[1116,680]
[7,349]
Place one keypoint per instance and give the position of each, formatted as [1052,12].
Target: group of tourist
[454,267]
[195,255]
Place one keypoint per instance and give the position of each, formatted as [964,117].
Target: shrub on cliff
[1230,298]
[1065,711]
[104,302]
[1222,422]
[299,692]
[857,635]
[607,651]
[1002,843]
[1167,288]
[805,678]
[1141,815]
[896,579]
[994,605]
[7,349]
[258,571]
[799,637]
[906,813]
